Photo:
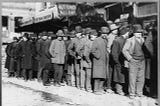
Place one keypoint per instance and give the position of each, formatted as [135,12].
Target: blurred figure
[58,51]
[151,45]
[132,50]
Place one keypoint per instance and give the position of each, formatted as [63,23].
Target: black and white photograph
[79,53]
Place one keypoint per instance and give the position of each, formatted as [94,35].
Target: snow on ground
[82,97]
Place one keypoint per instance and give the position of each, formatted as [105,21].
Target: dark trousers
[27,74]
[58,72]
[109,78]
[98,85]
[45,76]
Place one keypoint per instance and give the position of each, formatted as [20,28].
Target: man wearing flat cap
[133,52]
[119,73]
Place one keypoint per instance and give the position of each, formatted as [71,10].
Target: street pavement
[17,92]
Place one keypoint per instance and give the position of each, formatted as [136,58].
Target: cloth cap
[137,28]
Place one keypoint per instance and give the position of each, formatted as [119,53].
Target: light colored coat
[58,51]
[110,39]
[128,49]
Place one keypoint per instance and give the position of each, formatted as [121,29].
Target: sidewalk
[79,97]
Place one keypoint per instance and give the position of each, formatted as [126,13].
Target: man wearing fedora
[113,34]
[119,73]
[57,50]
[133,52]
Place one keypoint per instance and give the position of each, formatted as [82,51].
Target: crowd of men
[118,58]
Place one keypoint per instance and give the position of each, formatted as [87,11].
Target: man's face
[78,35]
[115,31]
[138,35]
[93,37]
[60,38]
[78,29]
[44,37]
[24,39]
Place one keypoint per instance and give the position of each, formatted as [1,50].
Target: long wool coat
[116,51]
[100,56]
[43,50]
[26,54]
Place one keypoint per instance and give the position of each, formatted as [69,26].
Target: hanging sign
[27,21]
[66,9]
[43,16]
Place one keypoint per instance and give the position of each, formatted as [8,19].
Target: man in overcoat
[100,56]
[26,54]
[116,52]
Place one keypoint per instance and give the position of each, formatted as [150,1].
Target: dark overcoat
[68,58]
[118,58]
[43,50]
[8,57]
[100,56]
[26,54]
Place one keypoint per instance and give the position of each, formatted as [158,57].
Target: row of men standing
[90,58]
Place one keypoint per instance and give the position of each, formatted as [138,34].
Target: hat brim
[139,31]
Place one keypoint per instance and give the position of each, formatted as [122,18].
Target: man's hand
[132,60]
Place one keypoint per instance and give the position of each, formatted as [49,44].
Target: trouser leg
[132,77]
[45,76]
[119,88]
[60,73]
[30,74]
[69,75]
[88,78]
[82,78]
[25,74]
[96,85]
[140,78]
[77,71]
[40,73]
[56,73]
[101,87]
[109,81]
